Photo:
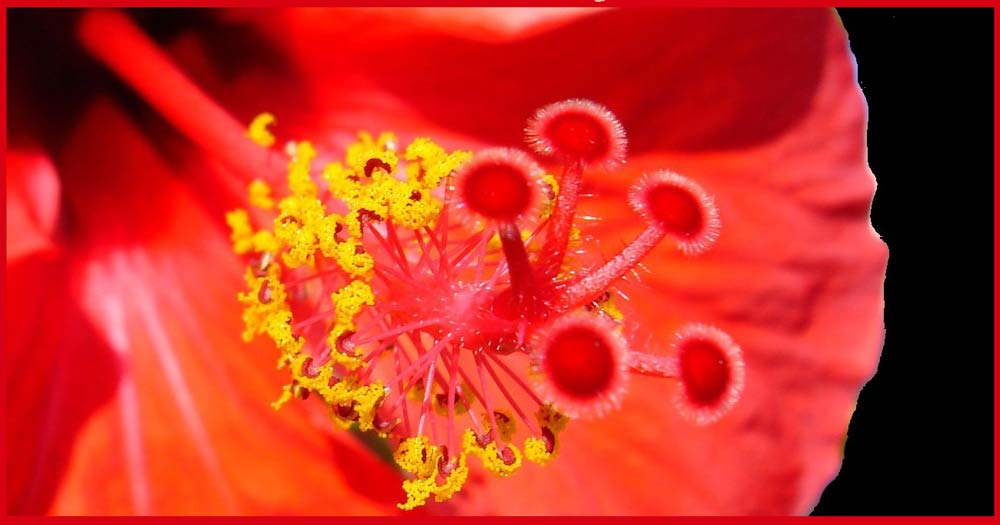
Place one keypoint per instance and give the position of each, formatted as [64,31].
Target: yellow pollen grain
[548,416]
[260,317]
[366,149]
[608,306]
[550,204]
[241,233]
[429,164]
[417,456]
[259,195]
[490,455]
[258,132]
[536,452]
[506,427]
[298,227]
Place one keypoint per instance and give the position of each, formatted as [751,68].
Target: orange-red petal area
[130,390]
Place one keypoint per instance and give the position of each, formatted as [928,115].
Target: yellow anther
[552,182]
[259,195]
[241,233]
[430,164]
[575,237]
[342,182]
[265,298]
[535,451]
[417,491]
[303,153]
[417,456]
[412,206]
[491,455]
[367,398]
[362,399]
[286,396]
[368,156]
[549,205]
[300,181]
[258,131]
[349,301]
[264,241]
[279,328]
[607,305]
[298,227]
[454,482]
[439,402]
[417,391]
[548,416]
[355,262]
[506,426]
[327,232]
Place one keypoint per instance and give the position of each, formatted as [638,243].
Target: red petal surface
[677,79]
[168,432]
[32,202]
[760,107]
[58,372]
[796,279]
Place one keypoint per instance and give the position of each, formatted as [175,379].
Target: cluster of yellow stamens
[309,231]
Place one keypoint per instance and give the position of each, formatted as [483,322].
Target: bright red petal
[188,428]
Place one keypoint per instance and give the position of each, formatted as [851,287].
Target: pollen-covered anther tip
[578,130]
[712,372]
[498,184]
[681,207]
[580,364]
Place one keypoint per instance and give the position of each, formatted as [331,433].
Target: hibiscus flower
[130,390]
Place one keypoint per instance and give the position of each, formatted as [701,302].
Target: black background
[921,441]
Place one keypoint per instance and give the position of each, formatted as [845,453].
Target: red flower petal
[796,275]
[32,203]
[677,79]
[154,274]
[796,279]
[59,371]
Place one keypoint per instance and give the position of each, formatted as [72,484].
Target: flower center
[408,290]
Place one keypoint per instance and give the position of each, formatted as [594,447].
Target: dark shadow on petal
[678,79]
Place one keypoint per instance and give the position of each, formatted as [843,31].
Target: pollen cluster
[426,296]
